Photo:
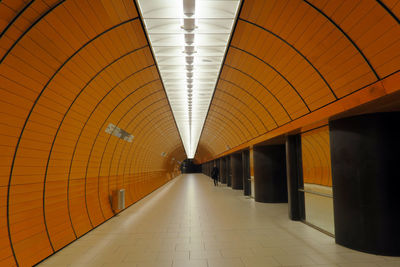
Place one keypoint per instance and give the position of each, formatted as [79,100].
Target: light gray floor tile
[189,222]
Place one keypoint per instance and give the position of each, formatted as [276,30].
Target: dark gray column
[228,171]
[294,173]
[246,172]
[270,174]
[365,175]
[237,171]
[217,163]
[222,170]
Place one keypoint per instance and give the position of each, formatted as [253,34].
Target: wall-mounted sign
[118,132]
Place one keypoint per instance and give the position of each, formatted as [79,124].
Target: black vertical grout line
[359,89]
[127,126]
[94,45]
[22,131]
[123,149]
[15,17]
[95,139]
[295,49]
[273,68]
[310,149]
[62,121]
[389,11]
[156,63]
[109,137]
[325,105]
[316,139]
[227,93]
[262,85]
[221,67]
[346,35]
[88,162]
[130,165]
[224,109]
[31,111]
[230,126]
[86,122]
[240,112]
[225,138]
[106,220]
[29,28]
[110,52]
[256,99]
[230,138]
[140,131]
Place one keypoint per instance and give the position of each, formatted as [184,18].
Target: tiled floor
[189,222]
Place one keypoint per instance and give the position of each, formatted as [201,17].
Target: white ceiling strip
[189,39]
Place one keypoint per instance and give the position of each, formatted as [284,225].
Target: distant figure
[215,174]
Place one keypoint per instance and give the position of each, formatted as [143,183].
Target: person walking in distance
[215,174]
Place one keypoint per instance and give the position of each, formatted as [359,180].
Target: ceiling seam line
[295,49]
[238,99]
[28,29]
[65,114]
[262,85]
[258,101]
[280,74]
[347,37]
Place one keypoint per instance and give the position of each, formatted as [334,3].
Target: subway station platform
[189,222]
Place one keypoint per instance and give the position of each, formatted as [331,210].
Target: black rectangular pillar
[237,171]
[246,172]
[294,173]
[228,171]
[222,170]
[270,174]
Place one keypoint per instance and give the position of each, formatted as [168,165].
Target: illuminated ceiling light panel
[189,39]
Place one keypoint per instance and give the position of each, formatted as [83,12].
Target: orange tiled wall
[316,157]
[67,70]
[291,61]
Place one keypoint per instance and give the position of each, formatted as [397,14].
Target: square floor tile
[225,263]
[190,263]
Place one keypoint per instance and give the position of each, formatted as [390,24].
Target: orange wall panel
[292,61]
[81,66]
[316,159]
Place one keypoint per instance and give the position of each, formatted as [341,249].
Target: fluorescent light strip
[189,39]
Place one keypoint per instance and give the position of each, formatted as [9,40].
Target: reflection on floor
[189,222]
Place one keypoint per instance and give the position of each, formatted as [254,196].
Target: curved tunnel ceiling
[69,69]
[289,59]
